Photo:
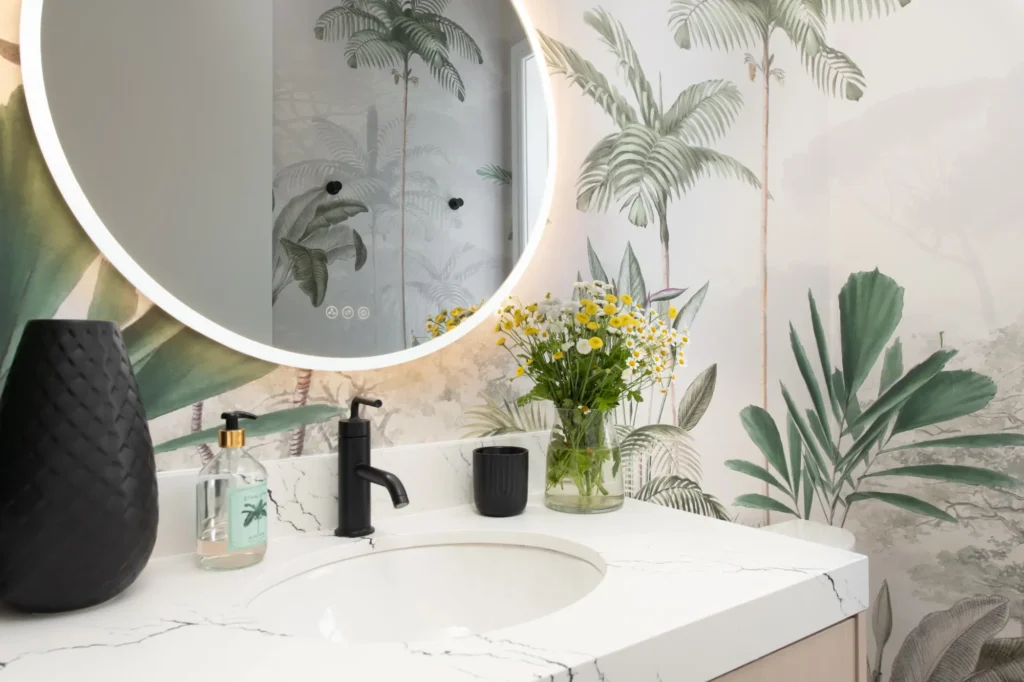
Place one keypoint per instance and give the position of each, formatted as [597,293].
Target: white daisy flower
[583,347]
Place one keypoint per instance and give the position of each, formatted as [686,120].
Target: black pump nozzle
[231,419]
[356,402]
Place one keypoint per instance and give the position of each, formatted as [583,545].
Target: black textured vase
[501,477]
[78,495]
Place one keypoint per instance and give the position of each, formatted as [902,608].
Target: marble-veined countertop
[684,599]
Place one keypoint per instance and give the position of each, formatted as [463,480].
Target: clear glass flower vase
[584,463]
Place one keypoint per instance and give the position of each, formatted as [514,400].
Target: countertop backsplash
[304,490]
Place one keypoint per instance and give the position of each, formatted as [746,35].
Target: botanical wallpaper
[829,183]
[373,137]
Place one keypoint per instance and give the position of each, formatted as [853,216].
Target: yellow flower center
[595,342]
[609,309]
[582,318]
[627,299]
[520,371]
[593,326]
[610,298]
[501,341]
[592,308]
[558,356]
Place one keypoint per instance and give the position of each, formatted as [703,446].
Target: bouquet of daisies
[587,356]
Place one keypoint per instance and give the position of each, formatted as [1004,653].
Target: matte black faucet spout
[355,475]
[387,479]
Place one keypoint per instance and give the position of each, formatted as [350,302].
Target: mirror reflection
[341,178]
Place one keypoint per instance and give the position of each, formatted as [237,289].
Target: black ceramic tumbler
[501,477]
[78,491]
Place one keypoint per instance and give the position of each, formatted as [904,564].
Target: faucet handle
[353,412]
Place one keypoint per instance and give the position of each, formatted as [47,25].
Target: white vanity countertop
[684,599]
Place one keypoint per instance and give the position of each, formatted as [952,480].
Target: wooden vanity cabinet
[838,654]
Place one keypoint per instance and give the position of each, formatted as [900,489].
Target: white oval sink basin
[427,590]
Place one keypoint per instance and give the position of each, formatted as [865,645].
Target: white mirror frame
[60,169]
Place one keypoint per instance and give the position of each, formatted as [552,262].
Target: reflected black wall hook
[456,204]
[333,187]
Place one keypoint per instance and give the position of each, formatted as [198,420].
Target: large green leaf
[188,368]
[761,428]
[495,173]
[144,336]
[114,298]
[267,424]
[756,501]
[596,269]
[43,251]
[853,411]
[1005,656]
[717,24]
[906,502]
[953,473]
[881,623]
[870,309]
[980,440]
[759,472]
[309,267]
[858,452]
[946,396]
[823,356]
[331,212]
[795,454]
[697,398]
[902,390]
[614,36]
[807,372]
[631,278]
[688,313]
[892,367]
[808,494]
[817,460]
[681,493]
[946,644]
[703,112]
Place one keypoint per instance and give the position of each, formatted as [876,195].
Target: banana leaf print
[10,51]
[43,255]
[838,446]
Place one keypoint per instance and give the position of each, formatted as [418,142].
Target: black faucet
[355,475]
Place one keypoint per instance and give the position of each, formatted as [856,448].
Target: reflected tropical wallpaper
[824,188]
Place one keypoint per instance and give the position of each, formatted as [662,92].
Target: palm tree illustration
[444,286]
[751,24]
[392,34]
[370,172]
[658,154]
[254,512]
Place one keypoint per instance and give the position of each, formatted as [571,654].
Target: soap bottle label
[247,517]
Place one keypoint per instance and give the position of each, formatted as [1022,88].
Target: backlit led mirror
[314,182]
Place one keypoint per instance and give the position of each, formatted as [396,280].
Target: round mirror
[331,184]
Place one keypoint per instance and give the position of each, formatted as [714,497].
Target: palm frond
[315,173]
[430,6]
[340,142]
[646,169]
[835,73]
[495,418]
[681,493]
[424,38]
[803,21]
[717,24]
[565,61]
[495,173]
[669,449]
[370,48]
[456,36]
[442,294]
[862,9]
[347,19]
[593,189]
[448,76]
[615,37]
[703,112]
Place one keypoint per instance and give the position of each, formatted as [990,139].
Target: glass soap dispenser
[231,503]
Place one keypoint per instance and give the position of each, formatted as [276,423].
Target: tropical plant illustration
[10,51]
[960,644]
[630,280]
[751,24]
[495,173]
[370,172]
[383,34]
[310,235]
[444,286]
[820,468]
[44,254]
[254,513]
[659,153]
